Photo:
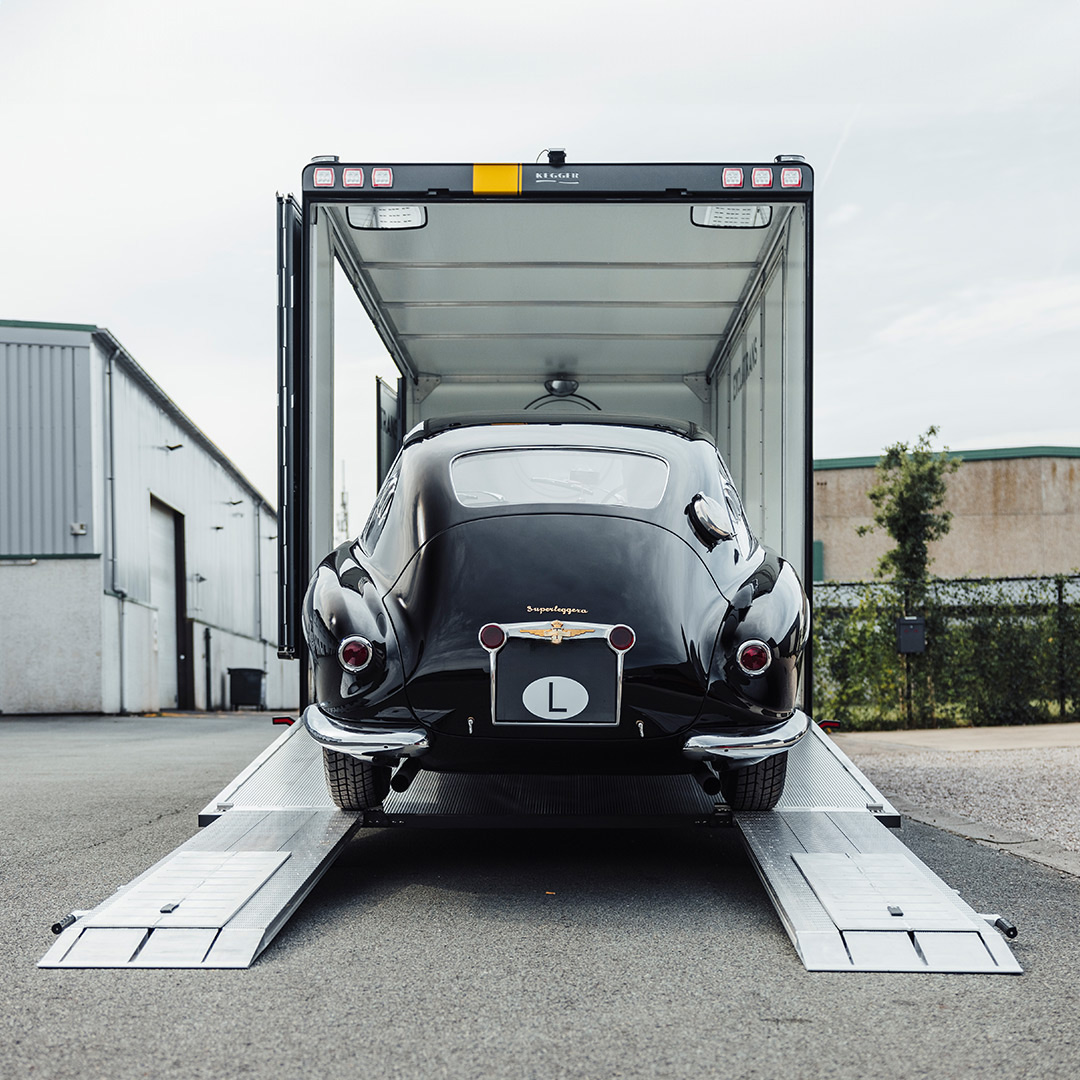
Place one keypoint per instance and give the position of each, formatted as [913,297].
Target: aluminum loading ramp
[850,895]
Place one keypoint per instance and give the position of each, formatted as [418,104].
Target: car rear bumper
[364,743]
[745,749]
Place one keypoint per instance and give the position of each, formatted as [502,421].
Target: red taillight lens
[492,636]
[354,653]
[620,638]
[754,657]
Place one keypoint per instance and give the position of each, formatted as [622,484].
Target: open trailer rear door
[292,558]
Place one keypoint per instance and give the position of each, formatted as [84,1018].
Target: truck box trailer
[677,291]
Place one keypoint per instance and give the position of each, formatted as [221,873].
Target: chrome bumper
[360,743]
[746,749]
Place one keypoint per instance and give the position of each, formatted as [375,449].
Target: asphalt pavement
[533,954]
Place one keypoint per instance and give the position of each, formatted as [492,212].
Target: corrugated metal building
[137,564]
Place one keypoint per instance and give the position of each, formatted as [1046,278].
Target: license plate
[571,683]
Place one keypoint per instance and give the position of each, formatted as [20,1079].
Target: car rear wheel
[355,784]
[755,787]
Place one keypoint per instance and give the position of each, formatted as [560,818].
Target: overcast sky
[141,146]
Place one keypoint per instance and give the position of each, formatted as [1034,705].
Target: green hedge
[1003,651]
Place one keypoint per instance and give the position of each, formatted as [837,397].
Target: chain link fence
[998,651]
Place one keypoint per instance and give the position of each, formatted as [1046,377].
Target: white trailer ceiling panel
[590,288]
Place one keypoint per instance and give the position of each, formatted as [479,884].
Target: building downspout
[114,586]
[258,569]
[209,670]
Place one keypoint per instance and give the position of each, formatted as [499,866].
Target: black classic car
[556,596]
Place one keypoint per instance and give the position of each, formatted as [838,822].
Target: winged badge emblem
[557,632]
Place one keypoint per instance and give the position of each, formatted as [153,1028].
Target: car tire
[755,787]
[355,784]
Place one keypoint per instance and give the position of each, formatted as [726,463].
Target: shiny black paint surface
[431,572]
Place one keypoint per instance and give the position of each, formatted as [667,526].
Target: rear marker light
[324,177]
[492,636]
[354,653]
[352,177]
[382,178]
[761,178]
[754,657]
[620,638]
[791,178]
[733,178]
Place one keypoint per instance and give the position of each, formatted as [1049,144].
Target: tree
[909,499]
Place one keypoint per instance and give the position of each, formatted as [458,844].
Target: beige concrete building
[1016,513]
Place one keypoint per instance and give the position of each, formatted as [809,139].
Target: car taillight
[492,636]
[754,657]
[620,638]
[354,653]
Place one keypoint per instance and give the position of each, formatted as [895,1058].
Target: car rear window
[545,475]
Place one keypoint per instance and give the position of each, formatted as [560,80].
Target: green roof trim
[19,324]
[1003,454]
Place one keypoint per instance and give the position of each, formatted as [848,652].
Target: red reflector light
[754,657]
[761,178]
[352,177]
[324,177]
[620,638]
[354,653]
[382,178]
[791,178]
[732,178]
[288,720]
[492,636]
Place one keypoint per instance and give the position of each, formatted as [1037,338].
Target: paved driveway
[469,954]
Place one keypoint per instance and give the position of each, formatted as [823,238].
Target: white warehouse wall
[50,636]
[96,588]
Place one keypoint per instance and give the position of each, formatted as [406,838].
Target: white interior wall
[760,406]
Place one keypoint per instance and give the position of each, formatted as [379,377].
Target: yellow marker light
[496,179]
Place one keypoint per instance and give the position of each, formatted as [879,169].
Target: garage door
[163,597]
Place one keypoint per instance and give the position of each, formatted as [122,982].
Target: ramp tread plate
[235,885]
[770,840]
[287,775]
[833,897]
[820,776]
[171,947]
[193,889]
[879,892]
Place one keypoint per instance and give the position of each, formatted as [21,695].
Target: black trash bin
[246,687]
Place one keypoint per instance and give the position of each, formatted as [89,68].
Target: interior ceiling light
[731,216]
[561,386]
[391,216]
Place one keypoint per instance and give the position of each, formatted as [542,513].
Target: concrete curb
[1046,852]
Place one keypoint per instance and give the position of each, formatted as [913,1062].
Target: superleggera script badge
[556,610]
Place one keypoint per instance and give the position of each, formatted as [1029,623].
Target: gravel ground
[1033,791]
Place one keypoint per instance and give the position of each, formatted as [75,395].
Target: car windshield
[513,477]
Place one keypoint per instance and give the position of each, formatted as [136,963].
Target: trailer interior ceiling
[599,291]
